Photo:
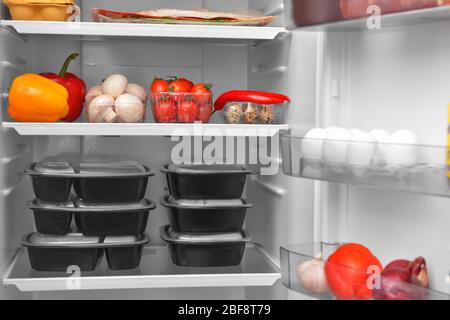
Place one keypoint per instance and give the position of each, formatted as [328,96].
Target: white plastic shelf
[156,271]
[96,29]
[143,129]
[437,14]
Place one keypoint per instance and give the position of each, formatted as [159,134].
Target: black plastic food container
[206,181]
[51,218]
[51,180]
[57,253]
[206,215]
[112,219]
[126,252]
[94,180]
[205,250]
[112,182]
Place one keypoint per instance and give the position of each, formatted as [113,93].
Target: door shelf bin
[292,257]
[412,168]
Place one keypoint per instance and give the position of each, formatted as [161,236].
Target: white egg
[381,137]
[361,148]
[402,148]
[354,132]
[312,144]
[335,145]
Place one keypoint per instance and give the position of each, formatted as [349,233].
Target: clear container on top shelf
[180,107]
[253,113]
[296,261]
[404,167]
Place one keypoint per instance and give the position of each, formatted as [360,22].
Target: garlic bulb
[312,275]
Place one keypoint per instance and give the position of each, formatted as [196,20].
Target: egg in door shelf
[394,161]
[207,213]
[87,208]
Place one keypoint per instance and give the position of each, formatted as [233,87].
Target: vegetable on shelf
[33,98]
[180,100]
[404,280]
[258,97]
[251,106]
[75,87]
[312,275]
[116,100]
[349,271]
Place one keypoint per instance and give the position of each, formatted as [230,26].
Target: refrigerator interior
[224,63]
[392,78]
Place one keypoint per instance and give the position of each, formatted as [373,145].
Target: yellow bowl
[42,12]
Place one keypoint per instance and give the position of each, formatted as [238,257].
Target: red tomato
[187,112]
[159,85]
[347,271]
[164,111]
[180,85]
[204,112]
[202,93]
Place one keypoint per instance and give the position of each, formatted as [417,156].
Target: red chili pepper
[250,96]
[75,87]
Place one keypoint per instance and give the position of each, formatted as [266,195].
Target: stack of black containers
[207,213]
[108,208]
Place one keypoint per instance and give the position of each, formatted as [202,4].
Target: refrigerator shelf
[412,168]
[156,271]
[143,129]
[98,31]
[293,256]
[436,14]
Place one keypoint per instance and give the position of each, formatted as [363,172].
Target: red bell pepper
[75,87]
[249,96]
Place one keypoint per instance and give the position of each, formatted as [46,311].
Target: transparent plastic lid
[53,166]
[126,206]
[98,167]
[71,239]
[126,240]
[73,166]
[203,168]
[168,234]
[38,204]
[77,240]
[206,202]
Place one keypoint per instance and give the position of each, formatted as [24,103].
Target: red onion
[403,280]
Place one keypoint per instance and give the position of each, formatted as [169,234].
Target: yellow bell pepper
[33,98]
